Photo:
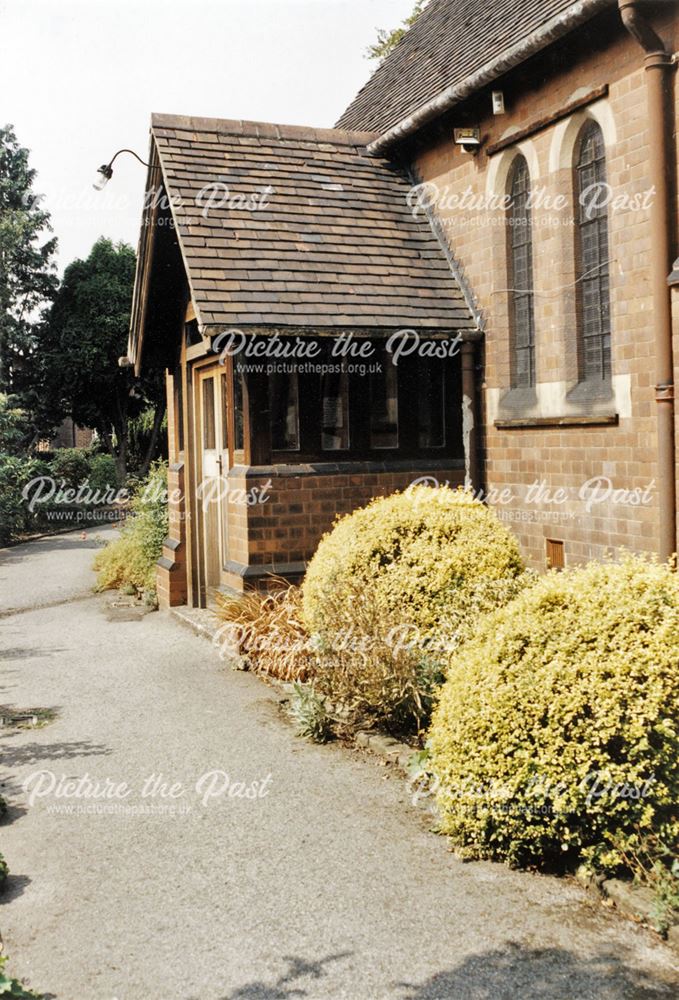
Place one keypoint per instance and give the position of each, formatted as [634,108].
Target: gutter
[550,31]
[659,65]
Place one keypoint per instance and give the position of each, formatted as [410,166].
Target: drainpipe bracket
[664,393]
[659,60]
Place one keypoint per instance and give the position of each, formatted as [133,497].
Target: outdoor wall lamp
[105,171]
[468,138]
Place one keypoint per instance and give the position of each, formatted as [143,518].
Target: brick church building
[469,279]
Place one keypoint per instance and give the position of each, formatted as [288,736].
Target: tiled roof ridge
[453,44]
[264,130]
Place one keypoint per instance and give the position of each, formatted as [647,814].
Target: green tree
[388,40]
[84,335]
[15,428]
[27,271]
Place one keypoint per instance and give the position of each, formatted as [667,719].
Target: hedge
[556,733]
[393,588]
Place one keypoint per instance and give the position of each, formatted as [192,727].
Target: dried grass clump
[266,630]
[376,673]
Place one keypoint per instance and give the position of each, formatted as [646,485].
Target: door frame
[205,578]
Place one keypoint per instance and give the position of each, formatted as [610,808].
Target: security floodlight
[468,138]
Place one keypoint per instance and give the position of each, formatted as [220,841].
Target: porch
[318,345]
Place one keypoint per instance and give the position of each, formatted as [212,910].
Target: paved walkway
[326,884]
[50,571]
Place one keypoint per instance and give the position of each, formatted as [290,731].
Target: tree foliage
[388,40]
[83,337]
[27,271]
[15,426]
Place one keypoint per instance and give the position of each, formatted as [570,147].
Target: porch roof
[331,243]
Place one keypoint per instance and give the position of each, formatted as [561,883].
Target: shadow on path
[14,886]
[30,652]
[56,543]
[539,974]
[298,968]
[36,753]
[511,973]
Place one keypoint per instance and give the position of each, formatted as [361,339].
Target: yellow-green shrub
[429,559]
[131,559]
[392,588]
[122,563]
[556,733]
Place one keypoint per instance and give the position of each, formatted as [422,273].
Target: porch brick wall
[565,456]
[301,507]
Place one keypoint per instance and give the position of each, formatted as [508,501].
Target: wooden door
[212,484]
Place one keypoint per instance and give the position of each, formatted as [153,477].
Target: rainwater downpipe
[659,65]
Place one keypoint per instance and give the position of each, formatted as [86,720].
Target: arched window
[594,310]
[520,250]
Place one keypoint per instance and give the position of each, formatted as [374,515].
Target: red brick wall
[301,506]
[565,456]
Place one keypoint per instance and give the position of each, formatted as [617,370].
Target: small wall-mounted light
[105,171]
[104,175]
[469,139]
[498,102]
[673,277]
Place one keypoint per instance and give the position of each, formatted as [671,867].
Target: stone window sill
[568,420]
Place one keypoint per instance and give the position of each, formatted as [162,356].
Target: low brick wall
[292,507]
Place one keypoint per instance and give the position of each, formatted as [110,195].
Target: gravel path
[324,884]
[50,570]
